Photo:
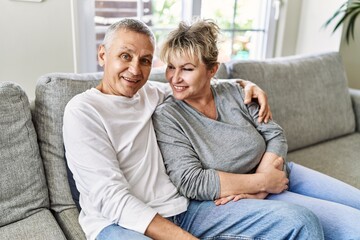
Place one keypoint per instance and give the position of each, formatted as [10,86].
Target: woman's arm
[268,179]
[268,162]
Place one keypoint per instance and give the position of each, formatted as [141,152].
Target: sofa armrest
[355,99]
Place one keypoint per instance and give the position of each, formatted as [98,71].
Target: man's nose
[134,67]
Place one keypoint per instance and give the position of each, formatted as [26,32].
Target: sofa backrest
[23,189]
[53,91]
[308,95]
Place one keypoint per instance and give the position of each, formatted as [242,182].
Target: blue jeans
[336,204]
[245,219]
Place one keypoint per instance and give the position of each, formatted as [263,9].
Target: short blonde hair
[198,39]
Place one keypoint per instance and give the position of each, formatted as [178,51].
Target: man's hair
[198,39]
[130,24]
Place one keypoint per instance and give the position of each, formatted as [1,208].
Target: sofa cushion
[308,95]
[40,226]
[53,92]
[23,190]
[338,158]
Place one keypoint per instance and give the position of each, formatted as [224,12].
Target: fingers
[267,115]
[264,113]
[278,162]
[248,95]
[224,200]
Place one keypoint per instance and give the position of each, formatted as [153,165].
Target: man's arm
[161,228]
[253,91]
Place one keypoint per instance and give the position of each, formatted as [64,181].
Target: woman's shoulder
[170,104]
[228,88]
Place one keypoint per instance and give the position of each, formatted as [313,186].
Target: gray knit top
[194,146]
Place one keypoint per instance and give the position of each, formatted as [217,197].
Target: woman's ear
[214,69]
[101,55]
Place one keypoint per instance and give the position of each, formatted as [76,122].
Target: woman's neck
[204,104]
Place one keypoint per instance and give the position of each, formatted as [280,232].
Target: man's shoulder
[81,99]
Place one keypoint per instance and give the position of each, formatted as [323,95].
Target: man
[112,152]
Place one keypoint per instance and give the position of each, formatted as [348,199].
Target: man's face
[127,63]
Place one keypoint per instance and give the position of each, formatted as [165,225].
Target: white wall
[301,30]
[350,53]
[312,36]
[36,38]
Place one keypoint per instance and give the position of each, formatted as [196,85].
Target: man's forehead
[133,42]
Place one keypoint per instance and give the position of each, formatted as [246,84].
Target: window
[247,25]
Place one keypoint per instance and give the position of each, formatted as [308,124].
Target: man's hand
[253,91]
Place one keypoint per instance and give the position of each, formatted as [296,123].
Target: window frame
[84,36]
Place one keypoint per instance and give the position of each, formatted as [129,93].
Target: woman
[215,149]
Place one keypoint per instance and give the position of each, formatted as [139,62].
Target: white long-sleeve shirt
[112,151]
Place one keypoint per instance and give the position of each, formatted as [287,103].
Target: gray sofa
[309,98]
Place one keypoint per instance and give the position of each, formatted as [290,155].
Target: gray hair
[128,24]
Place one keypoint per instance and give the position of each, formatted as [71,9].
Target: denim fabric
[115,232]
[249,219]
[336,204]
[245,219]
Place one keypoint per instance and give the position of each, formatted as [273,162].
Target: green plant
[348,11]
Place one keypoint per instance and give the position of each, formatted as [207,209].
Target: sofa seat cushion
[308,95]
[23,189]
[69,223]
[336,158]
[40,226]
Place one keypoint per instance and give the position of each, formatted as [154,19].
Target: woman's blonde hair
[198,39]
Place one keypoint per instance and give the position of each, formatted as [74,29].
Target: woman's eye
[188,69]
[170,67]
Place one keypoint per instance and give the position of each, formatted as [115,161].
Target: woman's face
[188,77]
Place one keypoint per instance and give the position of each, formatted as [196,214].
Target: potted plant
[348,12]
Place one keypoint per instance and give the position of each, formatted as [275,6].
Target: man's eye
[125,56]
[146,62]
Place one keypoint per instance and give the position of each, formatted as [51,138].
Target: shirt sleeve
[181,160]
[104,190]
[162,87]
[272,133]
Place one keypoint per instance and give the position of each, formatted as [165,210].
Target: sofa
[309,98]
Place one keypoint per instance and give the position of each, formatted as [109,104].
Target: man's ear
[101,55]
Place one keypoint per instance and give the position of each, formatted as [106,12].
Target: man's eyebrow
[147,56]
[129,50]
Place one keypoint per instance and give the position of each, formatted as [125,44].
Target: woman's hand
[225,200]
[253,91]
